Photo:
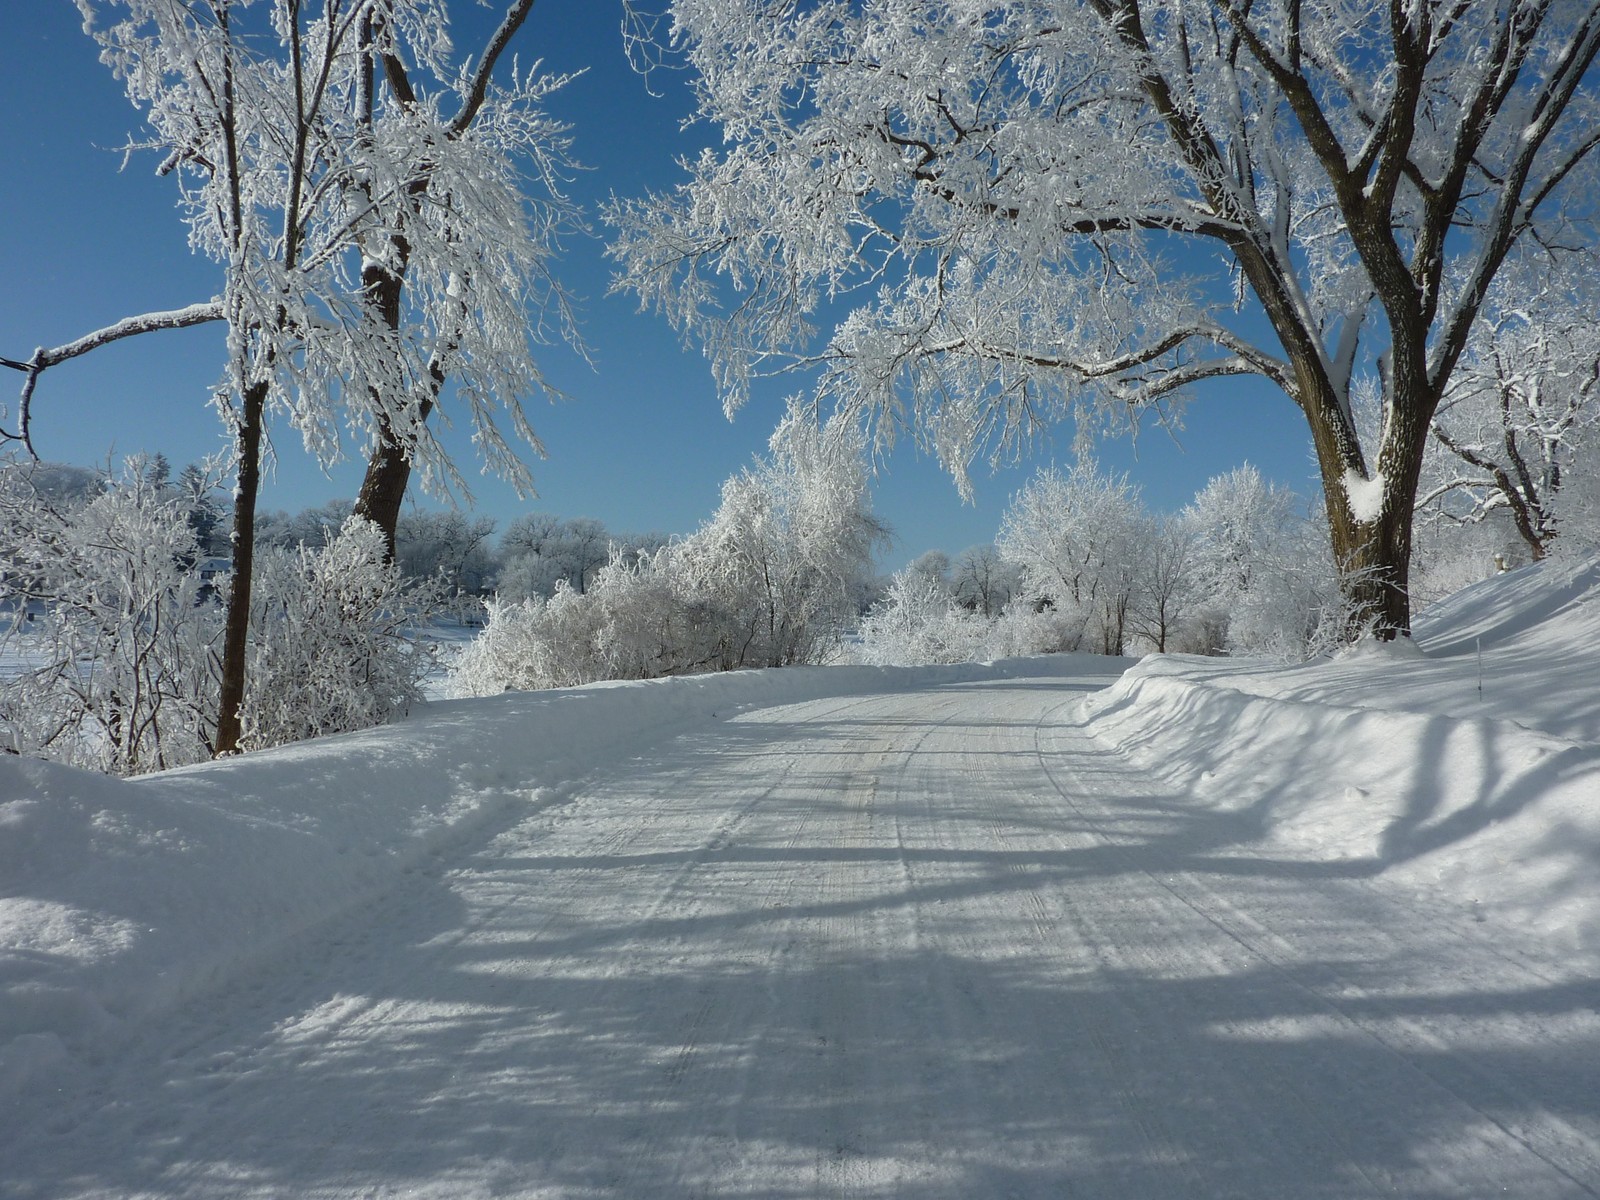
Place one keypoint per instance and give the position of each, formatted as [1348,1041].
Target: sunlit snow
[1212,927]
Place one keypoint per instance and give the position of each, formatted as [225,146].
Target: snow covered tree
[117,665]
[372,244]
[982,581]
[933,565]
[1075,537]
[790,543]
[448,546]
[1042,201]
[1165,597]
[770,580]
[1519,418]
[315,526]
[1266,581]
[203,510]
[538,551]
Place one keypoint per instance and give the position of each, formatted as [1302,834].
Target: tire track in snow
[993,925]
[1571,1154]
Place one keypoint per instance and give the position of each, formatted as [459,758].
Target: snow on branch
[43,358]
[177,318]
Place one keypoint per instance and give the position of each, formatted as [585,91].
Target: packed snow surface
[1039,928]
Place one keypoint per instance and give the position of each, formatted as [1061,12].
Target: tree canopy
[977,218]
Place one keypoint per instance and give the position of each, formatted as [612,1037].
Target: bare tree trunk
[383,489]
[236,628]
[1373,554]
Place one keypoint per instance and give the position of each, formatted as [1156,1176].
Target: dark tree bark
[236,628]
[388,475]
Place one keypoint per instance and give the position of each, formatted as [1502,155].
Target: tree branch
[478,91]
[43,359]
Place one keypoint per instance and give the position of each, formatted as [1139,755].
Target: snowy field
[1037,928]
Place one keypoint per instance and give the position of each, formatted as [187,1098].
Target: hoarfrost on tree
[368,203]
[974,220]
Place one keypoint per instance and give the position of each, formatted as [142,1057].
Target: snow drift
[1466,765]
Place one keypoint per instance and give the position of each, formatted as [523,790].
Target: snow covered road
[931,943]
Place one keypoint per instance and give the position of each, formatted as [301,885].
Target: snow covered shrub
[507,655]
[638,620]
[332,647]
[115,670]
[781,561]
[921,622]
[917,623]
[630,624]
[1022,629]
[770,580]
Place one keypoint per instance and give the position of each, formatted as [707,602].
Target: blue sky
[640,443]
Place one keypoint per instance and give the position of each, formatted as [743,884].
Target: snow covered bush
[115,670]
[770,580]
[791,541]
[628,625]
[917,623]
[332,645]
[921,621]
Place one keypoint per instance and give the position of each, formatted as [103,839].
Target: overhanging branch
[45,358]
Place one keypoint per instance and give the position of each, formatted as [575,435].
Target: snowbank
[1466,765]
[119,898]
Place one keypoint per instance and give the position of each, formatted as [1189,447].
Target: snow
[121,898]
[1466,764]
[1365,495]
[1047,926]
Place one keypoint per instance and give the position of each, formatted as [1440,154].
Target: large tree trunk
[236,628]
[383,489]
[1375,560]
[1373,549]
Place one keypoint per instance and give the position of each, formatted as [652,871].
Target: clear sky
[640,443]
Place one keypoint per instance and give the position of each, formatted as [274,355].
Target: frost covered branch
[43,359]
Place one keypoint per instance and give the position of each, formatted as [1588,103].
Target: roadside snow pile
[119,898]
[1466,765]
